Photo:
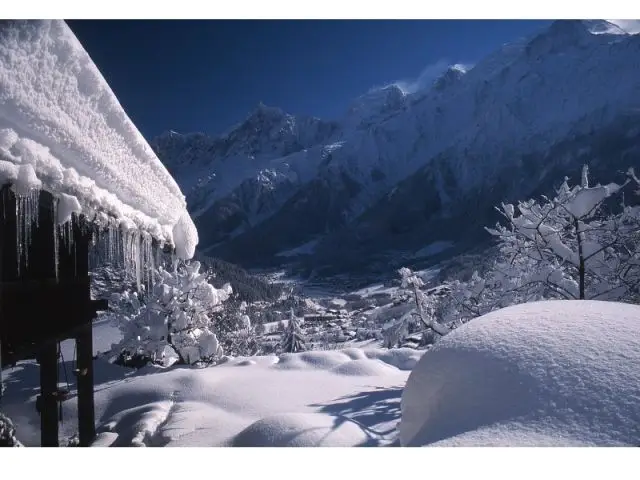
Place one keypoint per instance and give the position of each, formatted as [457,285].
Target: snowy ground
[335,398]
[541,374]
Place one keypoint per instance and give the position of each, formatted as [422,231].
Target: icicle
[110,241]
[19,230]
[147,260]
[137,258]
[67,234]
[120,241]
[56,238]
[152,264]
[123,245]
[127,247]
[158,254]
[62,232]
[1,377]
[26,216]
[117,246]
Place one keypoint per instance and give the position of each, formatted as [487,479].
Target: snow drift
[555,373]
[62,129]
[347,397]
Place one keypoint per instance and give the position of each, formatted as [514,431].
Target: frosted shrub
[173,320]
[8,433]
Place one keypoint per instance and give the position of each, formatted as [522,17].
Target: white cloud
[426,77]
[631,26]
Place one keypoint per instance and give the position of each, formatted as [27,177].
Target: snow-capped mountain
[398,171]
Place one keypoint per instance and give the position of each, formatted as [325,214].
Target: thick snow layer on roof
[63,129]
[561,373]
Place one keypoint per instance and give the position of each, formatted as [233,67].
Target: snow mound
[62,129]
[351,361]
[544,373]
[363,367]
[301,430]
[401,358]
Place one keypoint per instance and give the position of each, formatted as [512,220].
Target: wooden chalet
[45,299]
[67,146]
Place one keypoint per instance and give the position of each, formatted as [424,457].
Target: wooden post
[41,266]
[48,358]
[86,409]
[84,339]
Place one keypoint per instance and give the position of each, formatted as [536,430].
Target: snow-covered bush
[8,433]
[173,319]
[235,331]
[569,246]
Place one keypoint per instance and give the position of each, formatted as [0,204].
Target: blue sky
[208,75]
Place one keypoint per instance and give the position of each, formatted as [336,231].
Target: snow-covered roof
[62,129]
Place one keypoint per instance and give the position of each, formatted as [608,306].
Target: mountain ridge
[276,181]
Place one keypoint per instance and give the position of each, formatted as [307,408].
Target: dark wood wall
[44,301]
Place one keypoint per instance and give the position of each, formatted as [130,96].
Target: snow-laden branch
[569,244]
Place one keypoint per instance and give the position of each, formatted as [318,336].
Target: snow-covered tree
[235,330]
[569,246]
[424,305]
[396,330]
[459,301]
[259,329]
[174,318]
[292,339]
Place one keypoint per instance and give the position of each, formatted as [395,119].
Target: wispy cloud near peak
[427,76]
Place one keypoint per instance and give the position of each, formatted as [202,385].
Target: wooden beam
[48,358]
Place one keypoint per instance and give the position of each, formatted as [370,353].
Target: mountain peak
[451,75]
[264,110]
[563,35]
[578,28]
[377,101]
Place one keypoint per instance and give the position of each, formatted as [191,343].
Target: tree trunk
[581,262]
[432,324]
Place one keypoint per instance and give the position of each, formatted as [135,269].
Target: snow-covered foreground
[563,373]
[334,398]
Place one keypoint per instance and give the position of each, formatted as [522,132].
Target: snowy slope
[561,373]
[63,129]
[333,398]
[531,105]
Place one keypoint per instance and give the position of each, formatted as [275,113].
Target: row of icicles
[130,250]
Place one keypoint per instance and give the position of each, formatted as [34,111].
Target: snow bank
[63,129]
[546,373]
[300,430]
[345,397]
